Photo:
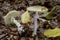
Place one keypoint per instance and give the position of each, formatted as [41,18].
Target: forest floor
[10,32]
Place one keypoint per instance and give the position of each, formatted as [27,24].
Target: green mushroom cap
[7,18]
[41,9]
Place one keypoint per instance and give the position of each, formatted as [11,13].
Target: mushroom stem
[35,24]
[19,26]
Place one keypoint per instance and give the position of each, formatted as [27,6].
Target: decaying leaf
[50,14]
[52,32]
[25,18]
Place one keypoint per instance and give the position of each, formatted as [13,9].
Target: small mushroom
[37,9]
[10,19]
[40,9]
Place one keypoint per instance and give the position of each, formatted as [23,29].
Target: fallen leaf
[52,32]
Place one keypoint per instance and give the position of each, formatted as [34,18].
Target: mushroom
[37,9]
[10,19]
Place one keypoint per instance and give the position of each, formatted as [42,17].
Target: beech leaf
[25,17]
[52,32]
[50,14]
